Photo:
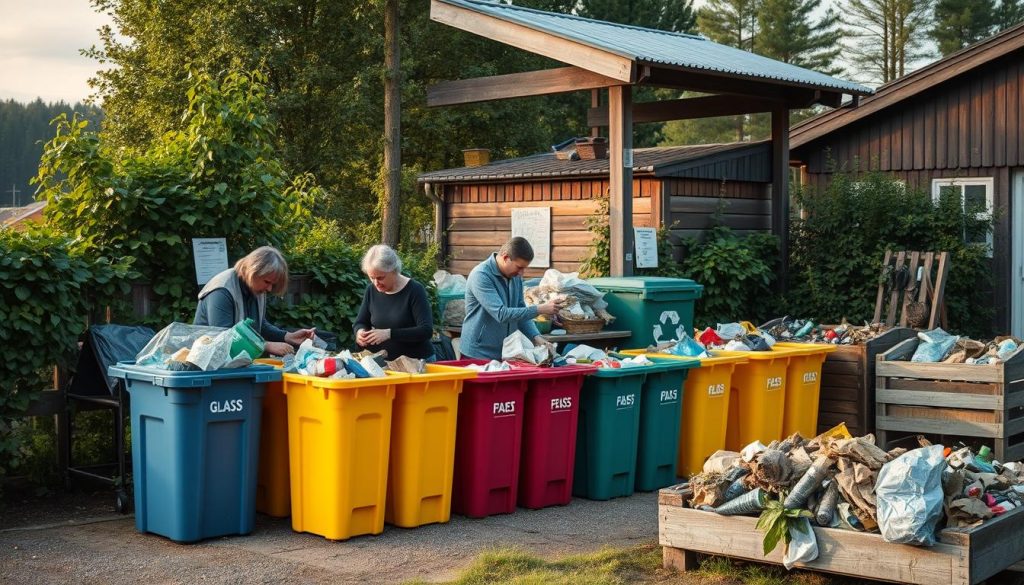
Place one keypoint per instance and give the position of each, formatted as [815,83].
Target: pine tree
[1010,12]
[885,36]
[959,23]
[730,22]
[789,34]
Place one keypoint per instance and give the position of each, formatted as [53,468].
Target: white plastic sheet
[909,493]
[803,546]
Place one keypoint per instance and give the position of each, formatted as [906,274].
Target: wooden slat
[845,407]
[938,399]
[937,426]
[939,371]
[686,109]
[990,389]
[514,85]
[881,291]
[890,318]
[940,290]
[683,204]
[915,257]
[527,39]
[559,223]
[839,551]
[641,206]
[558,253]
[497,238]
[996,544]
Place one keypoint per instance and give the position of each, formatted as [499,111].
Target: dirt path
[104,548]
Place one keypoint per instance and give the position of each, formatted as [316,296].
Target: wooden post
[595,102]
[780,189]
[620,176]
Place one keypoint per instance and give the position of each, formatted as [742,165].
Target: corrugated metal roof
[646,161]
[655,47]
[12,215]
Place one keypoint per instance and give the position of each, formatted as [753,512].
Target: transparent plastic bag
[935,345]
[172,338]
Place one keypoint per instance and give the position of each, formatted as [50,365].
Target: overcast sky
[39,44]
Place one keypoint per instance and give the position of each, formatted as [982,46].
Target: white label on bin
[716,389]
[559,404]
[810,377]
[624,401]
[227,406]
[669,396]
[505,408]
[774,383]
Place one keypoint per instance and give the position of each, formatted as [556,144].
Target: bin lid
[390,379]
[650,287]
[170,379]
[701,362]
[674,364]
[774,354]
[808,348]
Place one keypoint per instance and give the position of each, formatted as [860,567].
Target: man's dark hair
[518,248]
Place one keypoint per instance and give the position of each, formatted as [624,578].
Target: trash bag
[687,347]
[170,339]
[935,345]
[518,346]
[448,283]
[909,493]
[756,343]
[803,546]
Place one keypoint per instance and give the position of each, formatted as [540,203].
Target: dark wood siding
[746,206]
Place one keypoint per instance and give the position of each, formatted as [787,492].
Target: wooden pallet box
[848,383]
[985,402]
[961,557]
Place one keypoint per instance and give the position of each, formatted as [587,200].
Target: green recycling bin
[661,401]
[607,432]
[652,307]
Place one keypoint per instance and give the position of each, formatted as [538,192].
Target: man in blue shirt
[494,303]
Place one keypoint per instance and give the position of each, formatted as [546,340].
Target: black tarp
[104,346]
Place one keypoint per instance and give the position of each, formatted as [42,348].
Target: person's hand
[300,335]
[278,348]
[377,336]
[539,341]
[363,337]
[550,308]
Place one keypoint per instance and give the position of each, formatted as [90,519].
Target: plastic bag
[687,347]
[736,346]
[909,493]
[729,331]
[935,345]
[170,339]
[803,546]
[756,343]
[518,346]
[449,283]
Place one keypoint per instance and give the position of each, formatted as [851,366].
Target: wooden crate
[961,557]
[848,383]
[984,402]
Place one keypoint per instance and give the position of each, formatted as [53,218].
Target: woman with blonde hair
[395,315]
[240,293]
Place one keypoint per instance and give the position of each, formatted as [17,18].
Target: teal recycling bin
[652,307]
[607,433]
[661,408]
[195,448]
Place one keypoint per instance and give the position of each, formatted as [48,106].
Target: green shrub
[48,286]
[836,250]
[598,259]
[218,177]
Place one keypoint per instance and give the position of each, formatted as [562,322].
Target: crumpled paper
[519,347]
[407,365]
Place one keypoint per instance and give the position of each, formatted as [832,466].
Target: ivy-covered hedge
[48,285]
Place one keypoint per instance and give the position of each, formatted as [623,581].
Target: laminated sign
[534,224]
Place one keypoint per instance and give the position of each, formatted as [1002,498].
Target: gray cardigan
[494,309]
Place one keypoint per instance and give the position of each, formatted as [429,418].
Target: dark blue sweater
[406,313]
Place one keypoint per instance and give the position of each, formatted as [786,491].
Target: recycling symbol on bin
[666,318]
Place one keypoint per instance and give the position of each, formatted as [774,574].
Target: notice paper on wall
[534,224]
[646,243]
[211,256]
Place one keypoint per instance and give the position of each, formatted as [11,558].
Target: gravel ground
[87,544]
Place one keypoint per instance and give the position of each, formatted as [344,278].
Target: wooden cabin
[955,124]
[680,187]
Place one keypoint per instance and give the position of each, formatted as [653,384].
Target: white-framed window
[975,193]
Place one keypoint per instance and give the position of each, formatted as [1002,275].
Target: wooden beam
[780,189]
[620,179]
[793,95]
[687,109]
[522,37]
[515,85]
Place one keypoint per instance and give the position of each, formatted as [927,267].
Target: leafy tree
[885,36]
[789,33]
[959,23]
[217,177]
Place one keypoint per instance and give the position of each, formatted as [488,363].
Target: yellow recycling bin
[339,434]
[803,387]
[273,496]
[705,411]
[758,399]
[423,446]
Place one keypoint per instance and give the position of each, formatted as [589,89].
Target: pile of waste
[313,361]
[184,347]
[938,346]
[581,301]
[839,481]
[452,287]
[741,336]
[806,330]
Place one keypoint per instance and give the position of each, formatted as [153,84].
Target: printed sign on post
[534,224]
[211,256]
[646,242]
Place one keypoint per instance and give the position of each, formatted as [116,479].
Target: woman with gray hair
[240,293]
[395,315]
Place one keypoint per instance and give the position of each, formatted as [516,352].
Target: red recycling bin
[488,439]
[549,436]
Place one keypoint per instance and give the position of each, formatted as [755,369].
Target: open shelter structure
[602,55]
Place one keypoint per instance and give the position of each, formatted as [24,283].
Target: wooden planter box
[956,400]
[961,557]
[848,383]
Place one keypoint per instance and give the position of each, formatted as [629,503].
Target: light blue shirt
[495,308]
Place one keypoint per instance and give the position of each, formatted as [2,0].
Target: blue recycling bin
[195,448]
